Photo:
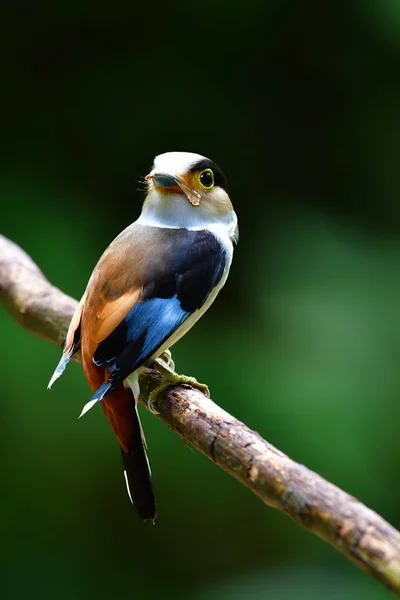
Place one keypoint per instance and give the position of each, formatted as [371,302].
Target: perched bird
[150,286]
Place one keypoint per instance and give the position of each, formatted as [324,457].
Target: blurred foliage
[298,102]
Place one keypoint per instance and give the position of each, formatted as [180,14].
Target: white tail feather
[88,406]
[54,377]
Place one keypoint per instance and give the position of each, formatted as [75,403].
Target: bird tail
[138,474]
[121,410]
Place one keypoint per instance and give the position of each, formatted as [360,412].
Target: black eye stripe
[219,176]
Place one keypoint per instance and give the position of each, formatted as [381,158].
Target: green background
[299,103]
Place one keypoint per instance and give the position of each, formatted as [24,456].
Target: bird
[149,287]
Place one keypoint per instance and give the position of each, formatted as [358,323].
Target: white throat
[175,212]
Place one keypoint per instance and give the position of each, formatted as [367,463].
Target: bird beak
[164,179]
[172,180]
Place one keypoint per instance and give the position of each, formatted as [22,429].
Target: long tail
[121,411]
[137,472]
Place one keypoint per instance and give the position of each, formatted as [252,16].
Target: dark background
[299,103]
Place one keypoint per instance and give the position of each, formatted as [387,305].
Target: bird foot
[172,378]
[166,356]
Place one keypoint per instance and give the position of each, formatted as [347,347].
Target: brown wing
[113,289]
[133,259]
[99,319]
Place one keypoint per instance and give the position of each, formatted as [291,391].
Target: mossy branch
[311,501]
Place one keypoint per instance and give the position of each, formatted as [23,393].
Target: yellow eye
[206,178]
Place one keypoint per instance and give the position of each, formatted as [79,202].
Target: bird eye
[207,178]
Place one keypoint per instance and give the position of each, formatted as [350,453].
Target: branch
[311,501]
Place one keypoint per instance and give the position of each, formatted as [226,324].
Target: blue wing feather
[143,330]
[158,318]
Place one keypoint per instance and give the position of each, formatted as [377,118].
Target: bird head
[188,190]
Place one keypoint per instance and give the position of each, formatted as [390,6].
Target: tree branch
[311,501]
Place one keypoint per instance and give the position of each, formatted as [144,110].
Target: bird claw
[194,383]
[166,357]
[170,379]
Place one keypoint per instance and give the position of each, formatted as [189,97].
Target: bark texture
[311,501]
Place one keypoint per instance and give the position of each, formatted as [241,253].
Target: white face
[175,162]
